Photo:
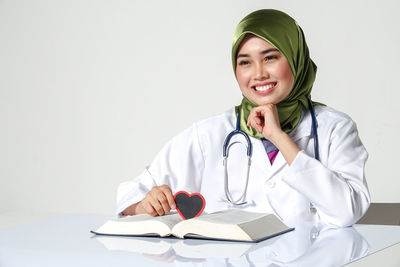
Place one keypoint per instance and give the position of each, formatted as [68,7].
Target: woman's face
[263,73]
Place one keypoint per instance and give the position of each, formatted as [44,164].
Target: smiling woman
[293,174]
[265,78]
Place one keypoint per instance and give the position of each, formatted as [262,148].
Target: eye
[270,57]
[244,62]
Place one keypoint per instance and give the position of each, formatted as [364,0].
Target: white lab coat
[332,191]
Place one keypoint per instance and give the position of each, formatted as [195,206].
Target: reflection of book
[178,248]
[237,225]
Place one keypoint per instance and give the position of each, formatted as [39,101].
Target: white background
[91,90]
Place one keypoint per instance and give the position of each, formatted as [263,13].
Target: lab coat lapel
[278,165]
[303,129]
[260,162]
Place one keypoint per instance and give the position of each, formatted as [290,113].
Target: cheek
[242,79]
[284,73]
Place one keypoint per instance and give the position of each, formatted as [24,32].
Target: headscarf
[283,32]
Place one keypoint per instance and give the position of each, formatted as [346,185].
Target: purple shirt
[271,149]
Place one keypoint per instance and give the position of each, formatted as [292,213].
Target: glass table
[66,241]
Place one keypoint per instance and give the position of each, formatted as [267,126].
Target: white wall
[91,90]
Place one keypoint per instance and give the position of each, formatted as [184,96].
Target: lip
[266,92]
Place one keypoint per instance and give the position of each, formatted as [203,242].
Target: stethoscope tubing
[314,128]
[234,132]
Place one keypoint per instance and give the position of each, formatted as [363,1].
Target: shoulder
[335,124]
[329,117]
[329,113]
[328,120]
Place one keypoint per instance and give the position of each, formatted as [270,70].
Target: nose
[260,73]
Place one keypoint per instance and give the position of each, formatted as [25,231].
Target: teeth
[265,87]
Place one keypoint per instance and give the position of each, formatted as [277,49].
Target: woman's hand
[157,202]
[265,119]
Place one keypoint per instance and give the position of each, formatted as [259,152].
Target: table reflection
[306,246]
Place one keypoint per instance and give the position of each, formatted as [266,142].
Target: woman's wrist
[276,137]
[131,210]
[286,146]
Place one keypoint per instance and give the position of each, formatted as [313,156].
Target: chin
[261,102]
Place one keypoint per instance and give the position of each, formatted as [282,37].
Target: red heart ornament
[189,205]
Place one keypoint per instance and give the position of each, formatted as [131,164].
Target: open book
[233,224]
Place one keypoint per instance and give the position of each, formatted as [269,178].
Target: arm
[336,187]
[178,166]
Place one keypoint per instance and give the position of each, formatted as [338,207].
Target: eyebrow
[262,52]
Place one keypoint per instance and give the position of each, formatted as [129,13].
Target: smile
[264,88]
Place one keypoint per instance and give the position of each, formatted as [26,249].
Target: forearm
[340,199]
[286,146]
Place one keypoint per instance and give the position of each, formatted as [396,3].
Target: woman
[275,74]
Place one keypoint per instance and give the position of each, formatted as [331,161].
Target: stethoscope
[238,131]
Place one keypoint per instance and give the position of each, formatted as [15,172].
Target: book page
[141,224]
[218,225]
[234,224]
[169,219]
[231,216]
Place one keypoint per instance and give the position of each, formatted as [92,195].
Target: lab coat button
[314,233]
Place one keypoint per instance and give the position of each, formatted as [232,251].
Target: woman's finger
[155,203]
[259,121]
[148,208]
[162,199]
[170,197]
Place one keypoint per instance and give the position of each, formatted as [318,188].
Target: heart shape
[189,205]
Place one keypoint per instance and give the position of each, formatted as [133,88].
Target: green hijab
[281,31]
